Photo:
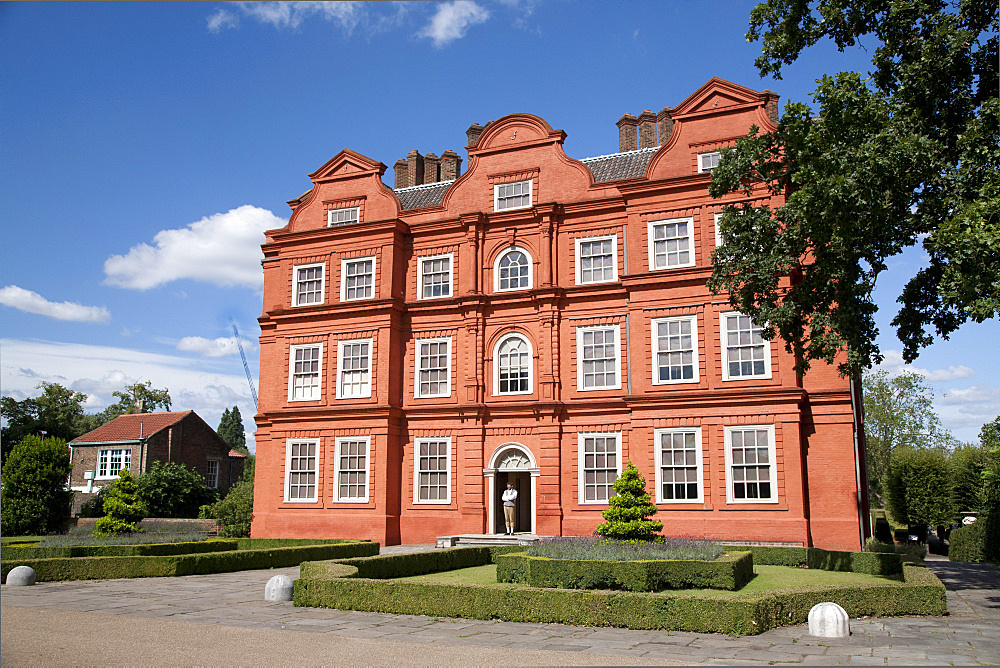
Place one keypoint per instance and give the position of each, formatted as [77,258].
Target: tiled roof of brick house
[128,427]
[618,166]
[417,197]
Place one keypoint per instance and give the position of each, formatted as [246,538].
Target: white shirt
[508,497]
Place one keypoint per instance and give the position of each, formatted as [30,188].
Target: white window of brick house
[354,368]
[675,350]
[357,278]
[597,357]
[600,464]
[434,276]
[512,270]
[596,259]
[305,371]
[301,469]
[745,353]
[432,470]
[516,195]
[433,368]
[212,473]
[112,460]
[512,365]
[351,469]
[708,161]
[671,243]
[750,464]
[679,465]
[718,232]
[346,216]
[310,284]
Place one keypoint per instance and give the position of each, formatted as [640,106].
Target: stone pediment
[715,95]
[347,164]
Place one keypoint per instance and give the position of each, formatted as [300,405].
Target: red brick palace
[542,320]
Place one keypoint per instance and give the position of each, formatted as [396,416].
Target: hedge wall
[870,563]
[730,571]
[150,550]
[968,543]
[108,567]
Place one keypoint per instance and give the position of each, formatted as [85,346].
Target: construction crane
[246,367]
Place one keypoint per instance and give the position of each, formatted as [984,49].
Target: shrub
[235,511]
[171,489]
[35,499]
[123,508]
[629,509]
[968,543]
[94,506]
[587,547]
[918,487]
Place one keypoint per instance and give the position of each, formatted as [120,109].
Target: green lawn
[768,578]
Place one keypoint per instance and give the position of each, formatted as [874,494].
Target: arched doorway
[511,462]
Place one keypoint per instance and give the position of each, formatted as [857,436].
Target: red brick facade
[542,320]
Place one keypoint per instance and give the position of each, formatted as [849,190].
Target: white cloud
[452,20]
[289,15]
[32,302]
[221,20]
[894,365]
[223,249]
[221,347]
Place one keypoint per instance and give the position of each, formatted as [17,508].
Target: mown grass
[767,578]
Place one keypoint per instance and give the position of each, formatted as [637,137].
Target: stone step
[480,540]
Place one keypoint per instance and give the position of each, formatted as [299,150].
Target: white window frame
[417,471]
[288,468]
[451,274]
[699,463]
[718,232]
[496,270]
[653,224]
[772,463]
[343,277]
[322,283]
[351,213]
[367,391]
[708,156]
[724,335]
[613,238]
[337,470]
[210,481]
[580,331]
[581,483]
[291,372]
[104,468]
[497,198]
[654,347]
[416,376]
[497,369]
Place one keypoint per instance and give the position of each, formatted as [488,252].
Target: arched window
[512,270]
[512,366]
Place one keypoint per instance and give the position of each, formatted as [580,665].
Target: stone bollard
[21,576]
[829,620]
[278,588]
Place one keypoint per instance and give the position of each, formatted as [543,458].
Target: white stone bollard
[21,576]
[278,588]
[829,620]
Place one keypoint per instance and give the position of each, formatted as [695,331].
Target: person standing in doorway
[509,497]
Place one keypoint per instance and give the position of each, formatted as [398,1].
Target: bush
[235,511]
[629,509]
[966,465]
[587,547]
[123,509]
[968,543]
[94,506]
[918,487]
[171,489]
[35,498]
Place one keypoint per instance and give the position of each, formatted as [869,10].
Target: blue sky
[144,147]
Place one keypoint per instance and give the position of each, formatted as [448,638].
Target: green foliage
[899,412]
[990,438]
[231,429]
[58,412]
[627,516]
[967,464]
[35,498]
[908,154]
[171,489]
[128,401]
[968,543]
[609,549]
[234,512]
[124,550]
[94,506]
[123,509]
[918,487]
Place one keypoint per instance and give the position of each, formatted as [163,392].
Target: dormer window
[516,195]
[337,217]
[708,161]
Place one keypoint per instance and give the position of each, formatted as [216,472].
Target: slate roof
[618,166]
[126,427]
[417,197]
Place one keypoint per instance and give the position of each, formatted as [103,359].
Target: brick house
[541,320]
[136,440]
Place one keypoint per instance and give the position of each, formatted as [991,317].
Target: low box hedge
[108,567]
[145,550]
[730,571]
[869,563]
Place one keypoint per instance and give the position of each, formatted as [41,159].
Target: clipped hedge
[146,550]
[109,567]
[968,543]
[730,571]
[413,563]
[869,563]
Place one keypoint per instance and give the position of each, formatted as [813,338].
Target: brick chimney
[473,134]
[771,105]
[402,173]
[451,165]
[626,132]
[666,125]
[431,163]
[647,129]
[415,168]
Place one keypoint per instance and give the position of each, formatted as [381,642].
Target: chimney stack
[647,129]
[402,173]
[473,134]
[666,125]
[415,168]
[451,165]
[626,132]
[771,105]
[431,163]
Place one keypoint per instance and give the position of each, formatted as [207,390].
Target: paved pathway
[222,619]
